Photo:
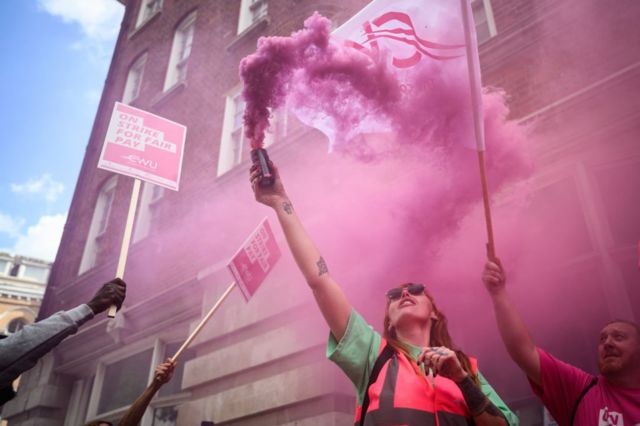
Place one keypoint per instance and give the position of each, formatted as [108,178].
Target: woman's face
[410,308]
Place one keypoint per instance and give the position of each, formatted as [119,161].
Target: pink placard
[255,259]
[143,145]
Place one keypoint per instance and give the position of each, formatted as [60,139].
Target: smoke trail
[317,75]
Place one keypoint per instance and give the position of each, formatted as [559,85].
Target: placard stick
[204,320]
[126,238]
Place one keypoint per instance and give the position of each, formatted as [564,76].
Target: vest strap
[384,356]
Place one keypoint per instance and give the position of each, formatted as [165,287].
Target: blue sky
[55,56]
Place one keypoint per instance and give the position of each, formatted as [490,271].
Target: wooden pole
[204,320]
[491,249]
[126,238]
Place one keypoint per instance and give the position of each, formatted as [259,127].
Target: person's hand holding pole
[164,372]
[162,375]
[111,293]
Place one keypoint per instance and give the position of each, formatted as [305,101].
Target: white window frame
[99,221]
[230,152]
[148,9]
[251,11]
[180,51]
[7,267]
[151,195]
[227,159]
[25,265]
[134,80]
[488,13]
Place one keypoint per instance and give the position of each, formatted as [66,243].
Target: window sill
[144,23]
[251,30]
[169,93]
[169,400]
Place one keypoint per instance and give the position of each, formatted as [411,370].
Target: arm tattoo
[477,402]
[322,266]
[288,207]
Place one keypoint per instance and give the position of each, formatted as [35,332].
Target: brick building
[570,68]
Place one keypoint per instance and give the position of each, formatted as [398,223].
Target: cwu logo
[139,161]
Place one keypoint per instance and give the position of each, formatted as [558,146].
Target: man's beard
[610,366]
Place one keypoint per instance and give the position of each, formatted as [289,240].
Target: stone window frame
[159,354]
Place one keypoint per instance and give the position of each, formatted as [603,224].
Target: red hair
[439,336]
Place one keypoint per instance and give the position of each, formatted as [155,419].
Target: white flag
[418,38]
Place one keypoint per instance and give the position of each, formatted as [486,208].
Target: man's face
[619,349]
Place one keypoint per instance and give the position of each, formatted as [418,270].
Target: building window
[483,18]
[180,51]
[36,273]
[134,80]
[5,267]
[16,325]
[99,223]
[147,210]
[124,381]
[251,11]
[120,381]
[148,8]
[165,416]
[234,148]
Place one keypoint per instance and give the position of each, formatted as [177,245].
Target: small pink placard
[255,259]
[144,146]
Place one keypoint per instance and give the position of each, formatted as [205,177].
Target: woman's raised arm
[331,300]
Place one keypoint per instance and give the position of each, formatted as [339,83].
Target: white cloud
[99,19]
[92,96]
[10,225]
[44,186]
[42,239]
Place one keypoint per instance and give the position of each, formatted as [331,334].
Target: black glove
[111,293]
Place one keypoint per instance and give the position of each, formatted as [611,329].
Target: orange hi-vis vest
[399,397]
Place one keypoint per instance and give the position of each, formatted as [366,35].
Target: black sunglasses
[412,289]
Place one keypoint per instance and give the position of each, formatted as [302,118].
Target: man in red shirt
[572,396]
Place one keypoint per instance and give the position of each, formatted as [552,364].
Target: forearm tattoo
[287,207]
[477,402]
[322,266]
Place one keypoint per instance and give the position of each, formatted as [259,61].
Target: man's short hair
[631,323]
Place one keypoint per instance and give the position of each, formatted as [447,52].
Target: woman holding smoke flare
[412,374]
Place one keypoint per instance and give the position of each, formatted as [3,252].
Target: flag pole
[204,320]
[491,248]
[126,238]
[473,66]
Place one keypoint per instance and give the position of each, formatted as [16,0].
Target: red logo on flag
[403,31]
